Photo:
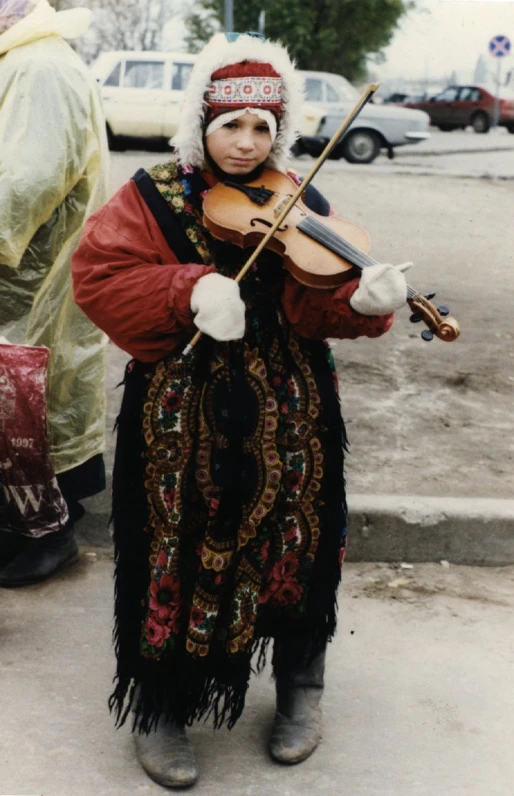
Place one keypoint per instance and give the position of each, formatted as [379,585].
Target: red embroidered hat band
[246,91]
[247,84]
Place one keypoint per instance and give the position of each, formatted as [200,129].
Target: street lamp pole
[229,16]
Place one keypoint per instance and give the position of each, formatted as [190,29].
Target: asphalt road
[458,153]
[418,701]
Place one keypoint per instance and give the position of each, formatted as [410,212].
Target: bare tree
[123,24]
[131,24]
[480,74]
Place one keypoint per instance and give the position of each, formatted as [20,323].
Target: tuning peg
[416,317]
[430,296]
[443,310]
[427,335]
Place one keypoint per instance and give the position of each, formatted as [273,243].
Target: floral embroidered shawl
[228,504]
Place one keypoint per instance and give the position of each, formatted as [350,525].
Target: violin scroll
[438,321]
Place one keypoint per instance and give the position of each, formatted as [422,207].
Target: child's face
[240,145]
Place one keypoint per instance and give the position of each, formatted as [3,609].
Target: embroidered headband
[250,90]
[247,84]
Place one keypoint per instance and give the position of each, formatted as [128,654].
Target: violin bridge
[280,206]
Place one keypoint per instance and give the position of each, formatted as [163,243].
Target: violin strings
[339,246]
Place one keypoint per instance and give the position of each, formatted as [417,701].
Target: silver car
[377,126]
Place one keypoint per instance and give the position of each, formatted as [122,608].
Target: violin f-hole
[255,221]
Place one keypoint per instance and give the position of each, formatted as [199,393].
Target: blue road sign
[499,46]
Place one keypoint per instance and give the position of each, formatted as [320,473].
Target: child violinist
[228,488]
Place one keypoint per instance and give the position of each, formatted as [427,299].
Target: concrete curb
[445,152]
[474,531]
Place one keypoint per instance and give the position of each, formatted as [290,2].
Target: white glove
[218,308]
[382,289]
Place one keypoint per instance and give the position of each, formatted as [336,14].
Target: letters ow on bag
[31,502]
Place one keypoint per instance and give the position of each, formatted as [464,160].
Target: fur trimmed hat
[213,89]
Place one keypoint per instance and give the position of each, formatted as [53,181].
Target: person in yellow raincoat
[53,175]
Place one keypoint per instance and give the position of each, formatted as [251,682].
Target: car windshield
[448,95]
[337,88]
[345,89]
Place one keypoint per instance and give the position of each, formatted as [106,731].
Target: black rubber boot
[41,558]
[167,756]
[296,730]
[11,545]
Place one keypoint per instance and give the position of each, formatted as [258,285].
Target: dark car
[396,98]
[403,99]
[458,106]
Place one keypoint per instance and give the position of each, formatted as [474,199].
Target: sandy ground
[423,418]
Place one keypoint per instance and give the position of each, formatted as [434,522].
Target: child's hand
[382,289]
[218,308]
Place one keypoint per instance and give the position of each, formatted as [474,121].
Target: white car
[142,92]
[331,97]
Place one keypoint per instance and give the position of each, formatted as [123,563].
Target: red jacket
[129,283]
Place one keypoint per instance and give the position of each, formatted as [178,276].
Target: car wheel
[360,146]
[481,123]
[510,128]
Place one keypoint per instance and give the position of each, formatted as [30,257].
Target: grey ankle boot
[167,756]
[296,730]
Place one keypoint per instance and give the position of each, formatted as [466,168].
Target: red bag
[31,502]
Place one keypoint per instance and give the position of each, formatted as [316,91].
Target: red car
[458,106]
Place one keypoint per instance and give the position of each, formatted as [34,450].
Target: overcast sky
[449,35]
[446,36]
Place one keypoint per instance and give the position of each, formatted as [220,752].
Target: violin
[318,251]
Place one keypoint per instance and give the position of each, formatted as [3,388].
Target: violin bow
[288,206]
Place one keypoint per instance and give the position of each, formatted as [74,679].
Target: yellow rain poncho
[53,174]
